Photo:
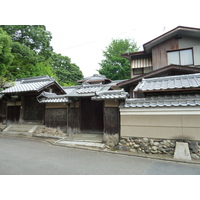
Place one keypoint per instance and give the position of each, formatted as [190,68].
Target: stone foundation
[111,140]
[155,146]
[2,127]
[49,132]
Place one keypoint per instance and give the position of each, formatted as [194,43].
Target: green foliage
[36,37]
[25,51]
[6,57]
[114,66]
[44,68]
[5,83]
[27,63]
[67,72]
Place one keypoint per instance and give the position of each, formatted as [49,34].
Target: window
[181,57]
[138,71]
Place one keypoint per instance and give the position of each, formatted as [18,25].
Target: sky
[82,29]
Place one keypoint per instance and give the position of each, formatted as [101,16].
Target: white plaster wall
[166,123]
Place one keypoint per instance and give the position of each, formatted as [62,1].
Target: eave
[156,73]
[176,32]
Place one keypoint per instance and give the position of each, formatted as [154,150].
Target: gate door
[91,115]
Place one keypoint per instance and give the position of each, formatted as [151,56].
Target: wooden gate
[33,111]
[56,117]
[2,111]
[13,113]
[91,115]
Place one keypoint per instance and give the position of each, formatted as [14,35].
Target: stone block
[182,151]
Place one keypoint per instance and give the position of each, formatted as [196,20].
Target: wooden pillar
[131,91]
[21,115]
[111,131]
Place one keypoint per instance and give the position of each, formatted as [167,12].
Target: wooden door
[13,113]
[91,115]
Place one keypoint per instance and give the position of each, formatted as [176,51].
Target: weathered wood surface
[33,110]
[2,111]
[159,53]
[111,121]
[73,120]
[13,113]
[91,115]
[56,117]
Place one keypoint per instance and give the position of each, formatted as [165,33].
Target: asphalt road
[19,156]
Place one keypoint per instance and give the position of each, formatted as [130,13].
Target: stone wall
[49,132]
[155,146]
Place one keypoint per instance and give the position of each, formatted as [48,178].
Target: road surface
[19,156]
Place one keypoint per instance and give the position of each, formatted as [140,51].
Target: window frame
[179,56]
[143,70]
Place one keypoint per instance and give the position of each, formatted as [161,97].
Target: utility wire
[90,42]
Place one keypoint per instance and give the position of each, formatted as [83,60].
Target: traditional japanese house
[164,88]
[178,47]
[170,109]
[21,104]
[91,107]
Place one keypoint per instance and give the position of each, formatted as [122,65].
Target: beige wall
[16,103]
[111,103]
[161,123]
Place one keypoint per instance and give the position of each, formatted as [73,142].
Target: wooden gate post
[21,115]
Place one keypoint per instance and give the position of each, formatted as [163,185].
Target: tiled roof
[46,97]
[164,101]
[111,94]
[115,82]
[55,100]
[89,89]
[94,78]
[169,82]
[70,89]
[30,84]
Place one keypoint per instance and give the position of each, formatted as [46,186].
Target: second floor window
[181,57]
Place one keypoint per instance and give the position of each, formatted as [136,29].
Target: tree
[32,55]
[114,66]
[36,37]
[67,73]
[6,57]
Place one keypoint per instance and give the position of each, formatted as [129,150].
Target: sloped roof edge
[179,30]
[163,101]
[188,81]
[32,84]
[159,71]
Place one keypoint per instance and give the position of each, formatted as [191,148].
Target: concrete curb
[126,153]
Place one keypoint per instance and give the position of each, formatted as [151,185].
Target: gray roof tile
[164,101]
[169,82]
[87,90]
[94,78]
[29,84]
[27,87]
[46,97]
[111,94]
